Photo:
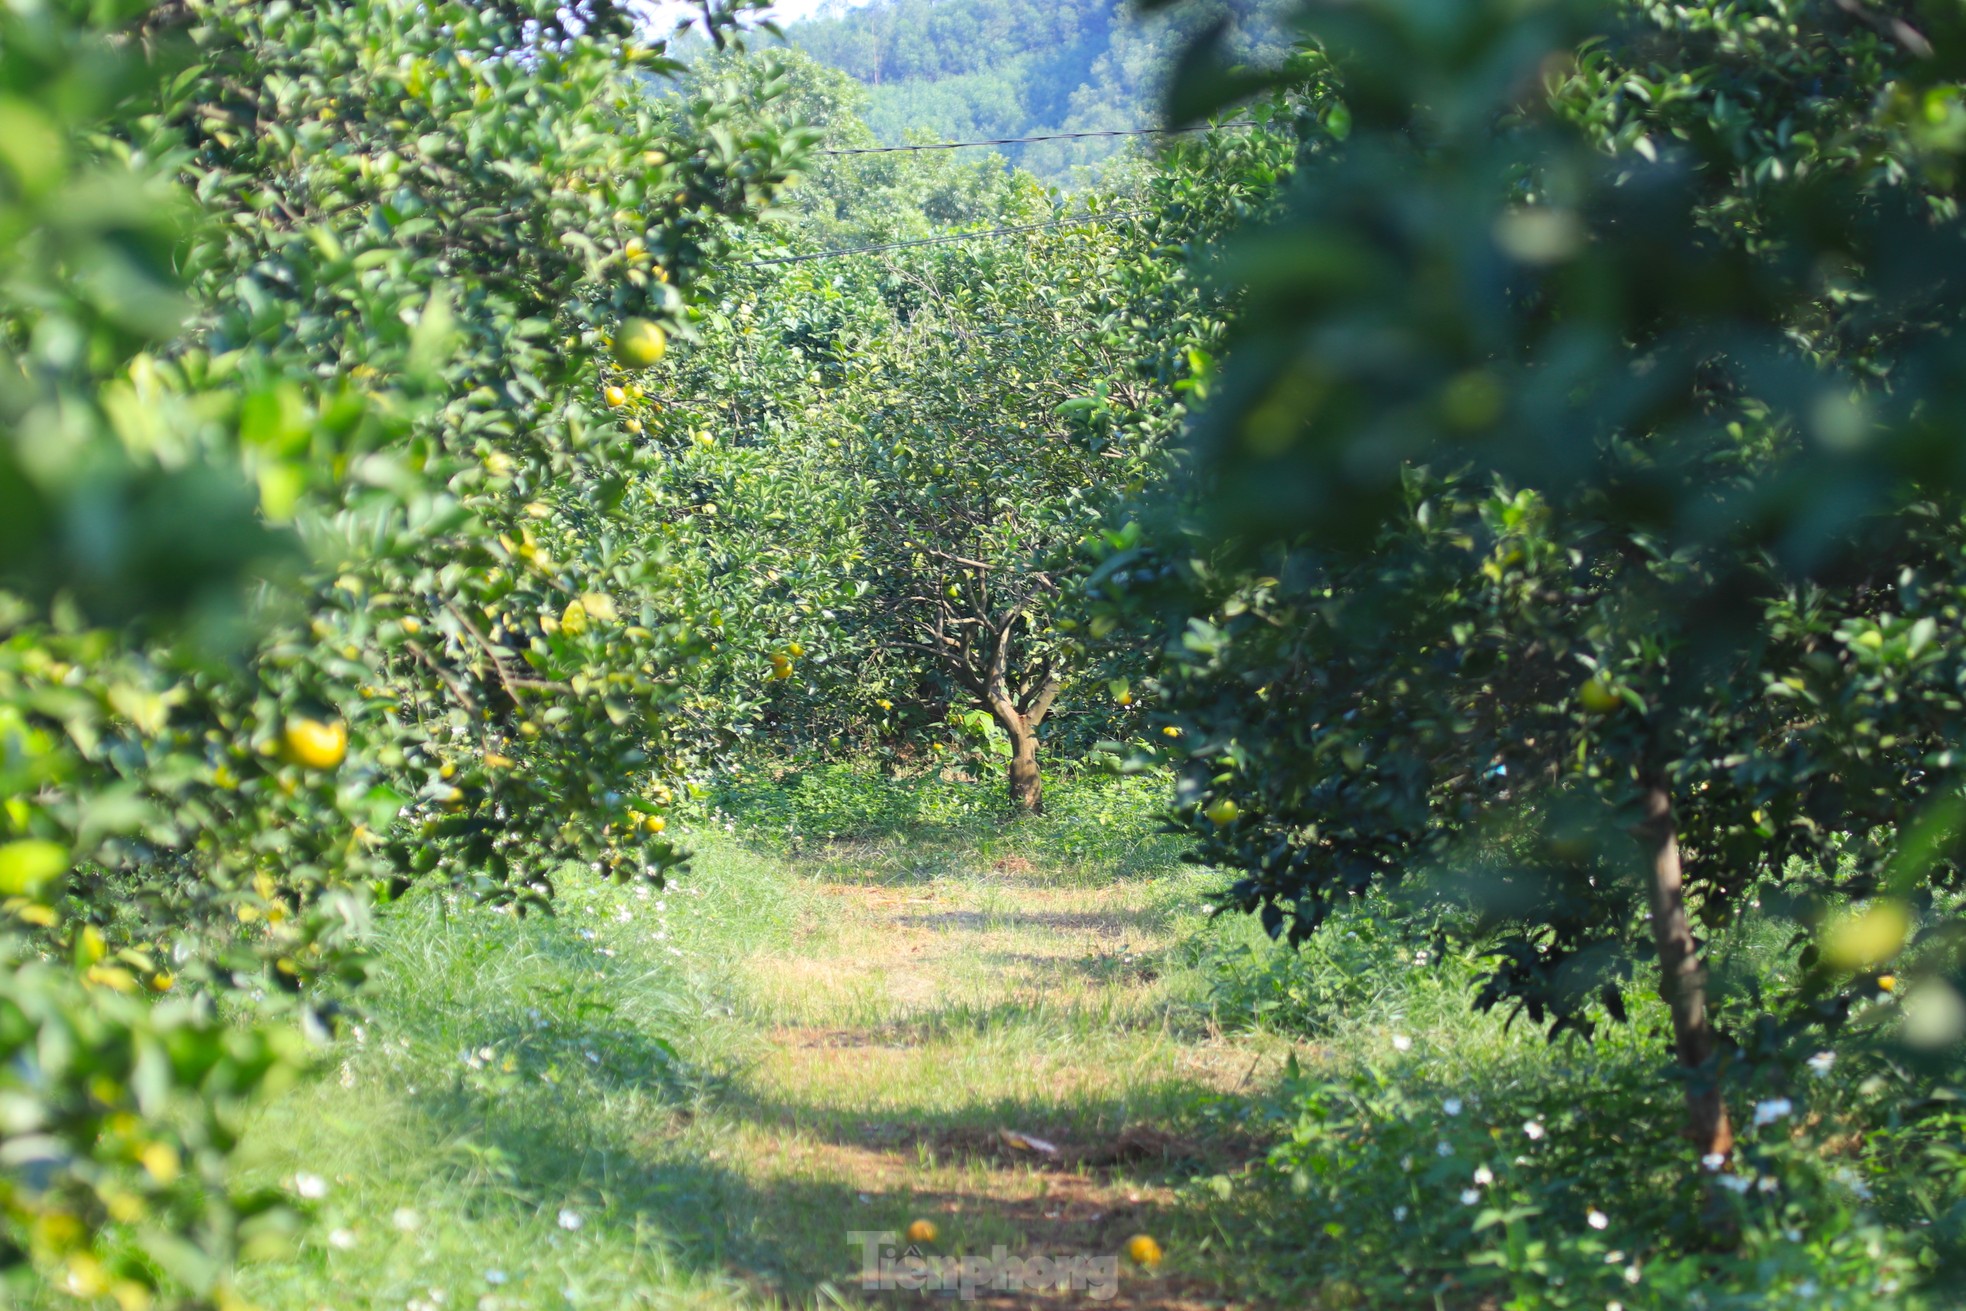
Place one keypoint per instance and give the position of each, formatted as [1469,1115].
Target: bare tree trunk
[1026,783]
[1682,975]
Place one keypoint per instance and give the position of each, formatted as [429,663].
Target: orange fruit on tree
[312,744]
[639,344]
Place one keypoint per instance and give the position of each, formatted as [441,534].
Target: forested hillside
[972,69]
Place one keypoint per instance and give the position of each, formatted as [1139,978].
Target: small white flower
[1444,1149]
[1597,1219]
[1399,1213]
[1735,1183]
[1483,1176]
[1452,1106]
[1775,1108]
[1469,1196]
[494,1277]
[342,1240]
[570,1219]
[1713,1160]
[406,1219]
[1632,1273]
[1534,1129]
[310,1185]
[1402,1043]
[1822,1063]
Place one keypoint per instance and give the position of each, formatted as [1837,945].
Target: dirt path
[917,1037]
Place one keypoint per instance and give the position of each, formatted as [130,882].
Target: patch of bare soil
[1071,1196]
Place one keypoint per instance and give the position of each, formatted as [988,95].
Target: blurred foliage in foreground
[319,298]
[1581,534]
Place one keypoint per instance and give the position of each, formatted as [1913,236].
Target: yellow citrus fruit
[313,744]
[1598,696]
[1223,812]
[921,1231]
[1888,982]
[1865,939]
[1141,1249]
[639,344]
[616,396]
[655,823]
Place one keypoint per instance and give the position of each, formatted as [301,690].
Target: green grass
[504,1088]
[691,1097]
[717,1082]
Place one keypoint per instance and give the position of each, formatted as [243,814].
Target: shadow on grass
[1054,1021]
[1106,923]
[862,826]
[789,1236]
[730,1183]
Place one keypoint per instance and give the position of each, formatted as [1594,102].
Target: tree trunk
[1026,784]
[1683,977]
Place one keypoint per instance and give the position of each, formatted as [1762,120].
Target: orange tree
[906,450]
[337,298]
[1580,476]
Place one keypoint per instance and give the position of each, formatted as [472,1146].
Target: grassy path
[696,1098]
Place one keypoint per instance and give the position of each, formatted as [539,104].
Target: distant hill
[969,69]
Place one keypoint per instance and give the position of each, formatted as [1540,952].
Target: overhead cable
[940,241]
[1055,136]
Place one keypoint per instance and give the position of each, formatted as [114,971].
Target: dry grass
[912,1026]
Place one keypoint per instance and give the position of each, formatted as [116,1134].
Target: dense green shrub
[1578,537]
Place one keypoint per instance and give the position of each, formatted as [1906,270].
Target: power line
[940,241]
[1056,136]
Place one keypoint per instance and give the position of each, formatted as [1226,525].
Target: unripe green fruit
[1598,697]
[639,344]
